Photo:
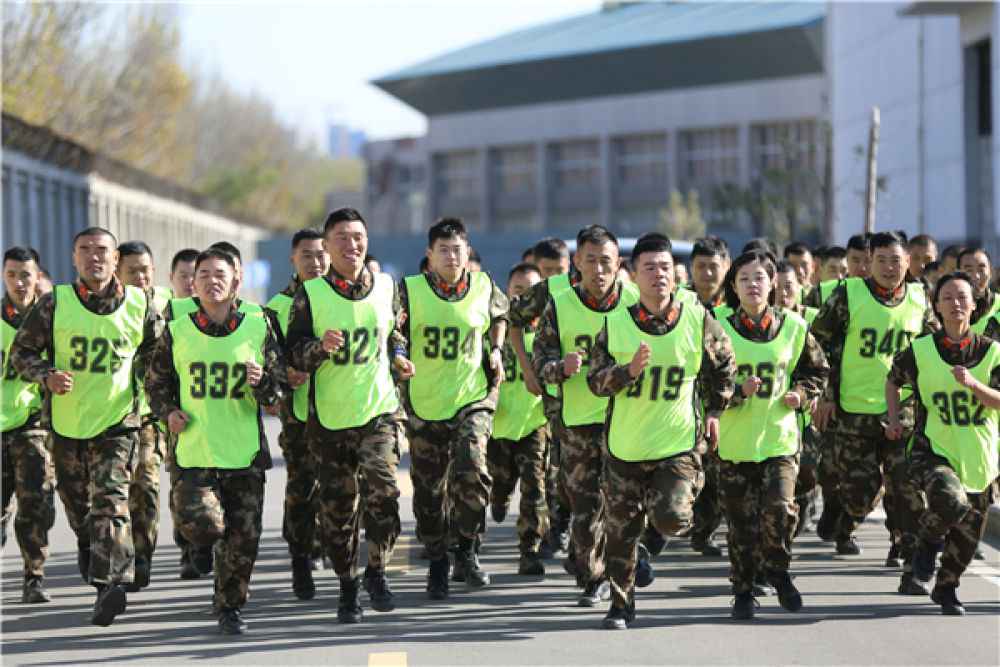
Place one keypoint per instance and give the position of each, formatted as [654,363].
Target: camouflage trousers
[144,492]
[761,512]
[224,509]
[662,491]
[955,518]
[448,464]
[301,515]
[828,476]
[523,460]
[93,478]
[28,475]
[555,488]
[582,469]
[369,452]
[866,460]
[708,506]
[807,482]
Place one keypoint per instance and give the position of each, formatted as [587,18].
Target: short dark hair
[526,253]
[952,251]
[922,240]
[886,240]
[226,246]
[370,258]
[186,255]
[710,246]
[948,278]
[21,253]
[762,244]
[784,266]
[819,252]
[834,252]
[94,231]
[796,248]
[550,248]
[732,299]
[345,214]
[932,266]
[134,248]
[972,250]
[446,228]
[859,242]
[215,253]
[474,256]
[523,267]
[651,242]
[596,235]
[307,234]
[424,264]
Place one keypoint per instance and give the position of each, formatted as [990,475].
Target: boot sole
[792,604]
[349,620]
[112,605]
[35,599]
[474,583]
[305,595]
[614,624]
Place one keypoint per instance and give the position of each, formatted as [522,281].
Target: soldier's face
[708,272]
[803,266]
[654,275]
[921,256]
[347,244]
[834,269]
[858,263]
[521,282]
[955,302]
[753,286]
[598,265]
[552,267]
[977,265]
[95,257]
[215,281]
[889,265]
[20,279]
[182,279]
[310,259]
[787,289]
[680,274]
[136,270]
[448,257]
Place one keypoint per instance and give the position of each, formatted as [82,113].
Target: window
[457,174]
[785,146]
[576,165]
[514,170]
[641,161]
[708,157]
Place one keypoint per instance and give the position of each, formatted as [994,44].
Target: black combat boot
[594,592]
[188,570]
[302,578]
[231,622]
[945,595]
[620,618]
[348,609]
[743,606]
[379,593]
[83,561]
[203,559]
[34,591]
[848,546]
[644,575]
[468,559]
[437,579]
[788,595]
[141,579]
[110,602]
[531,565]
[925,560]
[893,558]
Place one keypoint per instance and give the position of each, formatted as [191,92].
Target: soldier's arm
[811,372]
[499,314]
[830,329]
[270,389]
[930,323]
[718,369]
[903,372]
[303,350]
[812,298]
[162,382]
[993,329]
[546,352]
[528,307]
[29,351]
[606,376]
[152,329]
[396,344]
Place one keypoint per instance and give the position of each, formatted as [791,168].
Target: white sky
[313,60]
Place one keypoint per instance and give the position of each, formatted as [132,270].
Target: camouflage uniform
[144,491]
[759,498]
[214,506]
[448,458]
[581,456]
[301,517]
[346,458]
[861,453]
[93,475]
[510,461]
[953,516]
[29,475]
[663,491]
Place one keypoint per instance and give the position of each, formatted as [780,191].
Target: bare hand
[333,340]
[750,386]
[823,414]
[496,363]
[531,382]
[712,433]
[296,378]
[640,360]
[572,364]
[254,373]
[894,430]
[59,382]
[404,367]
[964,377]
[177,421]
[792,400]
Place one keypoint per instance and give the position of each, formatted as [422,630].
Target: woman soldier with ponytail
[780,371]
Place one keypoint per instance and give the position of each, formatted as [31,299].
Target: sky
[314,60]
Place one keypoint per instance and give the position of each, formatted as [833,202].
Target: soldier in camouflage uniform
[299,524]
[28,473]
[863,323]
[451,398]
[953,458]
[655,359]
[101,334]
[561,353]
[198,384]
[353,424]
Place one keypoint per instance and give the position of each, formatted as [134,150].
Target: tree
[682,219]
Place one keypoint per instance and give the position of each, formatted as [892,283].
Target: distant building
[597,118]
[343,142]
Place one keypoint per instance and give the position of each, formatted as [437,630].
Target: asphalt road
[852,615]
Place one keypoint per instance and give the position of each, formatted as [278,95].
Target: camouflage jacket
[808,378]
[286,405]
[993,329]
[32,350]
[14,317]
[831,323]
[904,370]
[527,308]
[983,304]
[716,377]
[163,382]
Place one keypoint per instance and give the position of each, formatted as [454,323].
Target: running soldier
[298,526]
[976,263]
[28,473]
[343,332]
[211,372]
[447,313]
[182,273]
[651,358]
[89,343]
